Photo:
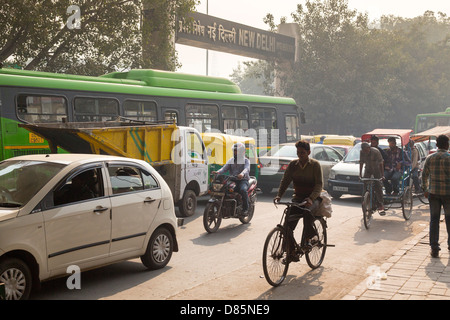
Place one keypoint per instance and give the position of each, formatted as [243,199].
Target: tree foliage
[256,78]
[37,35]
[354,75]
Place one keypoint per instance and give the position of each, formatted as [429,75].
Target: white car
[64,210]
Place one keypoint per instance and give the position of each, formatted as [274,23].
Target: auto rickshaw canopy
[404,134]
[431,133]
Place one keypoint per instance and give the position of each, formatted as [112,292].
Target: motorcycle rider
[239,166]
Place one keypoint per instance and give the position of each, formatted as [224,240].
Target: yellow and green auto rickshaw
[220,150]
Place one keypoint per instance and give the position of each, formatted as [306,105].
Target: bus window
[264,118]
[202,117]
[95,109]
[234,117]
[291,128]
[41,109]
[171,115]
[140,110]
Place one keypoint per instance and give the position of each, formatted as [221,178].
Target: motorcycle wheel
[251,210]
[212,217]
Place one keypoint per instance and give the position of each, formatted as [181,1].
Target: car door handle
[149,200]
[99,210]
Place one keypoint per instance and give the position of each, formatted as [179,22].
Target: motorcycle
[225,203]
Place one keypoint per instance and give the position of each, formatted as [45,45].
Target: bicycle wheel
[367,210]
[407,203]
[420,194]
[422,198]
[275,263]
[212,217]
[315,256]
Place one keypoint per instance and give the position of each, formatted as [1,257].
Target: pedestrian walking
[436,187]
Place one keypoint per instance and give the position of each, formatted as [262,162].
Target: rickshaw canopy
[340,140]
[404,134]
[317,137]
[431,133]
[221,147]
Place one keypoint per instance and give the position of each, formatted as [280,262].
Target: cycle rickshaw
[404,196]
[426,136]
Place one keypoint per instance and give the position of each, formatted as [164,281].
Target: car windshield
[284,151]
[353,155]
[21,180]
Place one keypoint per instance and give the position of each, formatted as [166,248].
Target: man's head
[374,141]
[392,142]
[303,150]
[238,151]
[365,147]
[442,142]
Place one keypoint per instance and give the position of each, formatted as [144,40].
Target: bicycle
[369,205]
[280,242]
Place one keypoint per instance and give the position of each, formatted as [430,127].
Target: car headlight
[332,175]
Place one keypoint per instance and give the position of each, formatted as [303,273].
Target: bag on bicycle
[325,208]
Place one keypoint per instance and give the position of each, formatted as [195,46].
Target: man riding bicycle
[306,175]
[373,161]
[239,166]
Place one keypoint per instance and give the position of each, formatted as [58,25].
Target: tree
[255,78]
[354,75]
[40,35]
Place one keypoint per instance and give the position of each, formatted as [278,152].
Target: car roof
[310,144]
[69,158]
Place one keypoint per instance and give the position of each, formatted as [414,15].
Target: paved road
[227,264]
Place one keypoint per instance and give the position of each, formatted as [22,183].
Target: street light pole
[207,51]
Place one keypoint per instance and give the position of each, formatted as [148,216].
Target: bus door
[292,127]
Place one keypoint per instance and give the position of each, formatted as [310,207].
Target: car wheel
[335,195]
[16,276]
[159,249]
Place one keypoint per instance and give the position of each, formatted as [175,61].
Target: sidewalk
[410,274]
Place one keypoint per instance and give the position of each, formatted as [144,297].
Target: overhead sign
[208,32]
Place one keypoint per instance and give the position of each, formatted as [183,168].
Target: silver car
[275,162]
[64,210]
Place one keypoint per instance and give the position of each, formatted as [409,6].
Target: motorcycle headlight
[217,186]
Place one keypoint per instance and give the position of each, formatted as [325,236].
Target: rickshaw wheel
[407,203]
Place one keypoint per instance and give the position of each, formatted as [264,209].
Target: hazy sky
[252,12]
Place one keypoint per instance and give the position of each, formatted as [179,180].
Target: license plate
[337,188]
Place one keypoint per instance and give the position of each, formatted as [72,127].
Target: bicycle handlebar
[297,204]
[300,205]
[371,179]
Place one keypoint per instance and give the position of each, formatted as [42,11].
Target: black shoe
[291,258]
[245,213]
[382,213]
[434,253]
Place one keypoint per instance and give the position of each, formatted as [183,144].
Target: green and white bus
[207,103]
[430,120]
